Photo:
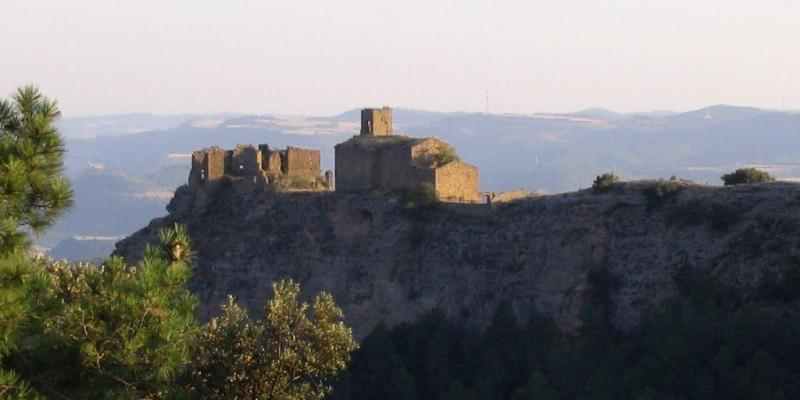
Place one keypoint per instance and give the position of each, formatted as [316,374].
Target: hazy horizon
[395,107]
[323,58]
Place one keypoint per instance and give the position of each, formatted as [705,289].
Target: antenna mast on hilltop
[487,102]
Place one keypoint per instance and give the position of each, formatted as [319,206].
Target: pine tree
[85,331]
[33,191]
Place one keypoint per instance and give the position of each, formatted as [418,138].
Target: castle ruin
[291,168]
[374,161]
[377,160]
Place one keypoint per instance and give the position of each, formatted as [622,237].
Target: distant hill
[88,249]
[125,124]
[598,112]
[108,204]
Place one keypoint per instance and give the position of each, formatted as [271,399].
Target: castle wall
[197,174]
[512,195]
[302,163]
[357,169]
[257,165]
[397,169]
[272,164]
[376,121]
[457,181]
[207,165]
[246,161]
[329,182]
[214,163]
[265,150]
[369,163]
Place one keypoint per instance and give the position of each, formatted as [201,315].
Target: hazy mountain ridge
[107,204]
[124,124]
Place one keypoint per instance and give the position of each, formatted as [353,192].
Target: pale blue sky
[323,57]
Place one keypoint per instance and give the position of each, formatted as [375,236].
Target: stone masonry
[207,165]
[374,161]
[292,168]
[376,121]
[300,163]
[379,161]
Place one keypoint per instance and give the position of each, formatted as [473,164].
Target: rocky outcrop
[385,262]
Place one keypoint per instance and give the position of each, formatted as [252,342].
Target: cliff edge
[383,261]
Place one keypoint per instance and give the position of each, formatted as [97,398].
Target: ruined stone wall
[376,121]
[512,195]
[259,165]
[397,169]
[457,181]
[272,164]
[214,163]
[371,164]
[265,151]
[207,165]
[246,161]
[302,163]
[357,169]
[197,174]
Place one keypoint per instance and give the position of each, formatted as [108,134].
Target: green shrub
[445,155]
[293,352]
[661,191]
[603,183]
[422,195]
[746,175]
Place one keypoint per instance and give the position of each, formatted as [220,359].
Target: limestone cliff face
[383,262]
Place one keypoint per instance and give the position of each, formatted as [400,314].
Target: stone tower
[376,121]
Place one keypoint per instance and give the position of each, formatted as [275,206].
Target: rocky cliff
[385,262]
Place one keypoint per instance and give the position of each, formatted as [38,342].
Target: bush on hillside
[603,183]
[661,191]
[746,175]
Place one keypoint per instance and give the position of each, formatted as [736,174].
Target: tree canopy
[33,190]
[291,353]
[86,331]
[746,175]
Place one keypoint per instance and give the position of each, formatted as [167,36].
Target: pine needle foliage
[86,331]
[33,190]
